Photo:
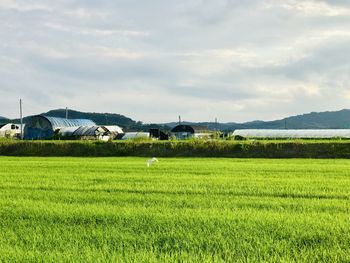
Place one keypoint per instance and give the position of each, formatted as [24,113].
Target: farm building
[293,134]
[104,133]
[10,130]
[135,135]
[44,127]
[84,132]
[187,131]
[158,134]
[114,129]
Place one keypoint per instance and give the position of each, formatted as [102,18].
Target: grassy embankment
[187,209]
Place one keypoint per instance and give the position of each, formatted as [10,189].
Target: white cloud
[116,53]
[309,7]
[235,60]
[24,6]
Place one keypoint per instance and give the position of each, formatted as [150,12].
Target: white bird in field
[152,161]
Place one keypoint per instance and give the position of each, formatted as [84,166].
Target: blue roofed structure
[44,127]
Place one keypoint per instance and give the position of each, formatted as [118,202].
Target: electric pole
[21,117]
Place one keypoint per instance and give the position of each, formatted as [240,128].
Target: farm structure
[186,131]
[104,133]
[158,134]
[135,135]
[10,130]
[44,127]
[292,134]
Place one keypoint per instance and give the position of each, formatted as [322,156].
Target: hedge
[193,148]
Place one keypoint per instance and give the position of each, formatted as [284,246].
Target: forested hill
[98,118]
[126,123]
[3,120]
[314,120]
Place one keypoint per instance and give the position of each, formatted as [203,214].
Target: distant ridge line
[313,120]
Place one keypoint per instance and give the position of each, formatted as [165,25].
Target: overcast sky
[152,60]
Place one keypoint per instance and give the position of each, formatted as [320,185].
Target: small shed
[158,134]
[10,130]
[187,131]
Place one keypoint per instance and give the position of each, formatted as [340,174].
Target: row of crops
[179,210]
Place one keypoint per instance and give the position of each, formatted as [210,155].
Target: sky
[154,60]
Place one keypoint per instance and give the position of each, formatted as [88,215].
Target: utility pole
[21,116]
[179,119]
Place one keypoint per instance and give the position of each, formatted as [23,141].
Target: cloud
[235,60]
[310,7]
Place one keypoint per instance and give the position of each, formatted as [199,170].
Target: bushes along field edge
[191,148]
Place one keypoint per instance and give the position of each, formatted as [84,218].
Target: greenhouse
[114,129]
[90,132]
[135,135]
[43,127]
[293,134]
[186,131]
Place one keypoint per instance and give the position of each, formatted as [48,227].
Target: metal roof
[90,131]
[265,133]
[62,122]
[183,128]
[134,135]
[67,131]
[189,128]
[11,126]
[114,128]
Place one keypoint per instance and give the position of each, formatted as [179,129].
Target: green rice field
[178,210]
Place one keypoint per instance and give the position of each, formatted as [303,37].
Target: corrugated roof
[189,128]
[90,131]
[67,131]
[114,128]
[183,128]
[134,135]
[61,122]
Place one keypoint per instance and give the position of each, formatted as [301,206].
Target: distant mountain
[314,120]
[209,125]
[3,120]
[126,123]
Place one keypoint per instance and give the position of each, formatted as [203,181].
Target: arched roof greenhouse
[44,127]
[293,134]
